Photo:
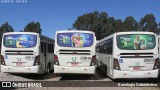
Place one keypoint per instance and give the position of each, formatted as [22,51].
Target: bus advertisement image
[20,41]
[75,52]
[75,39]
[136,42]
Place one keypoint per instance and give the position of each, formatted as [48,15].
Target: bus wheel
[93,77]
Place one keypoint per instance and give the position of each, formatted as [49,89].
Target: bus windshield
[75,39]
[136,41]
[19,40]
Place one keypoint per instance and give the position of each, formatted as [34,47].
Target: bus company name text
[14,84]
[137,84]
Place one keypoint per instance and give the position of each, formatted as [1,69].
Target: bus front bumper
[135,74]
[11,69]
[74,70]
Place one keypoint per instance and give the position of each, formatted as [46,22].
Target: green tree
[118,25]
[109,27]
[140,25]
[33,27]
[103,25]
[148,23]
[130,24]
[5,28]
[92,22]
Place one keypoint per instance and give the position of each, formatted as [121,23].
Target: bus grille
[75,52]
[136,55]
[18,52]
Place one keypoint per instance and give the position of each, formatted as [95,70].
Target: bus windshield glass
[136,41]
[20,40]
[75,39]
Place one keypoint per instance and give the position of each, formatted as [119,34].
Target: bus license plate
[136,68]
[18,64]
[74,64]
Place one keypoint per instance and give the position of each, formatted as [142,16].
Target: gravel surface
[78,81]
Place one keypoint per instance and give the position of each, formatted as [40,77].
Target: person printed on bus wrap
[142,45]
[18,42]
[136,42]
[76,41]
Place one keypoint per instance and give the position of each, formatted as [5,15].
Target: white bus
[75,52]
[158,36]
[26,52]
[129,55]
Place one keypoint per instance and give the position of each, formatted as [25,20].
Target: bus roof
[20,33]
[67,31]
[134,32]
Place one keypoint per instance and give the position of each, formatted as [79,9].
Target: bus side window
[101,50]
[45,48]
[111,46]
[107,47]
[50,47]
[158,45]
[42,47]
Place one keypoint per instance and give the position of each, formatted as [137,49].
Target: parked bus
[26,52]
[129,55]
[75,52]
[158,36]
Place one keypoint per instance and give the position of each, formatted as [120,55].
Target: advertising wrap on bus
[20,41]
[75,39]
[136,42]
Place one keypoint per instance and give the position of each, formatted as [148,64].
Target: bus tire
[93,76]
[105,70]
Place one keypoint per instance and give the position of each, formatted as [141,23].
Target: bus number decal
[85,59]
[149,60]
[29,57]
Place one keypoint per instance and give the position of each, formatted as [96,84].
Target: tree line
[30,27]
[103,25]
[98,22]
